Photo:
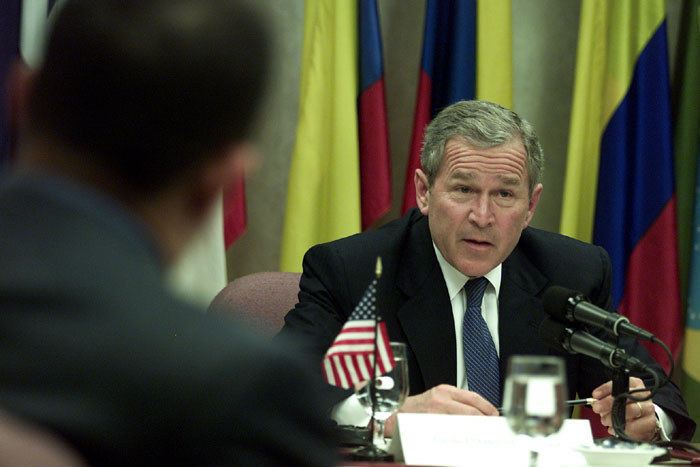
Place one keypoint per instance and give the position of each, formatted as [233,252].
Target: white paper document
[460,440]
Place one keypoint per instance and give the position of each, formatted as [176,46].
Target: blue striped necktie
[480,355]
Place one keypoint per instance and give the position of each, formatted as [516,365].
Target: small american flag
[350,359]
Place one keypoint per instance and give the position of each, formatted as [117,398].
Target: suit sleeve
[266,398]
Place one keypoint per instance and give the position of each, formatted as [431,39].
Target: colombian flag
[341,130]
[467,53]
[619,189]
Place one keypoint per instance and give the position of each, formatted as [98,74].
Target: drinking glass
[534,399]
[390,391]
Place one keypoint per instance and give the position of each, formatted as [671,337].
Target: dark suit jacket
[94,346]
[413,300]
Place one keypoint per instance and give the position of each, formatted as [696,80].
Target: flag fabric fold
[323,195]
[375,158]
[494,52]
[350,359]
[447,72]
[467,53]
[619,187]
[340,176]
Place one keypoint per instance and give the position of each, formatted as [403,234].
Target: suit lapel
[520,309]
[426,316]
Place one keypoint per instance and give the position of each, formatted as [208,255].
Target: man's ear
[18,86]
[422,191]
[225,170]
[532,204]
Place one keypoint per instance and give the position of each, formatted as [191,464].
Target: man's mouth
[476,243]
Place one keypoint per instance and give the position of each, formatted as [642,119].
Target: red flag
[234,212]
[350,358]
[375,165]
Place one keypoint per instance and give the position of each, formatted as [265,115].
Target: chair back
[261,299]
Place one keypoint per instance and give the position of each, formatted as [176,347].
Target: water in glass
[534,399]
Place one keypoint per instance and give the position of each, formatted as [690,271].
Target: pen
[586,401]
[573,402]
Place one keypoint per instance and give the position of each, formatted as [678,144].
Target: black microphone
[559,336]
[571,306]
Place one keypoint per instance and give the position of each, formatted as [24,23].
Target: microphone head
[552,333]
[559,302]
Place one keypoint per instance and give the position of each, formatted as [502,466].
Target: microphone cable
[620,432]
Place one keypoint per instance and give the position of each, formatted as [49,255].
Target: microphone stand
[372,452]
[620,377]
[621,384]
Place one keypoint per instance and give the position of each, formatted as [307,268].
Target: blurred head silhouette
[149,101]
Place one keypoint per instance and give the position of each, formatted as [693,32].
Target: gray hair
[484,125]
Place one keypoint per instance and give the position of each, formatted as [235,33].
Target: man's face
[479,204]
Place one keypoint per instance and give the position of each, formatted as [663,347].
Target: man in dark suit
[133,125]
[476,194]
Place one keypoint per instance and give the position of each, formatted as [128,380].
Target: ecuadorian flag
[619,189]
[340,179]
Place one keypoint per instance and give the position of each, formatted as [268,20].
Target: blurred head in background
[149,101]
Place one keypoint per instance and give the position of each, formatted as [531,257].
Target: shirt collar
[455,280]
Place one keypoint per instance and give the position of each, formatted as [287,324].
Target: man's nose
[481,212]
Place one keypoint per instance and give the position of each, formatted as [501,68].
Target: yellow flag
[494,52]
[611,37]
[323,195]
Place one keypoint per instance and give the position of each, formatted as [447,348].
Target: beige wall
[544,55]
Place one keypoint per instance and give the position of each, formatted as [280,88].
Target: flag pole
[372,452]
[372,381]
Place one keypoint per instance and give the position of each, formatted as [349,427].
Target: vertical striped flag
[687,151]
[323,194]
[447,72]
[619,187]
[339,181]
[350,359]
[375,159]
[467,53]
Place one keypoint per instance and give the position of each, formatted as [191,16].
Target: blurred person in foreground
[132,125]
[476,193]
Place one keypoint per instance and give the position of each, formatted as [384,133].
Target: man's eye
[464,189]
[505,194]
